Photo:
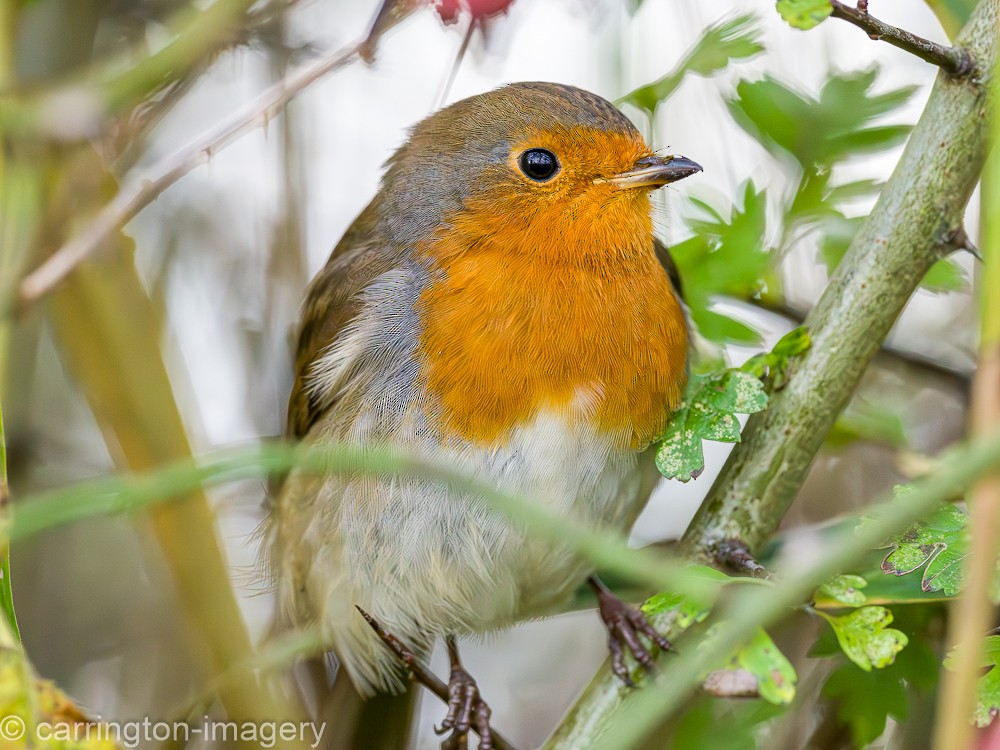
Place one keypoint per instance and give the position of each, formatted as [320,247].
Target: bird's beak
[654,172]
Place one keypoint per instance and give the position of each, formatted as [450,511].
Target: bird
[502,305]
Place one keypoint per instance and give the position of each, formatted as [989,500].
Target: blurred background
[177,336]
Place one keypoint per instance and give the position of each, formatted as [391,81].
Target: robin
[502,305]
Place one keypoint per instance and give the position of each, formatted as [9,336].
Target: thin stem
[6,593]
[973,614]
[456,64]
[608,551]
[8,40]
[954,60]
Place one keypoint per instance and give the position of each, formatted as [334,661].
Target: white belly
[426,561]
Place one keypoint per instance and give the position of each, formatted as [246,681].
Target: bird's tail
[382,722]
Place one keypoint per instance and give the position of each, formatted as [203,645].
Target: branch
[909,229]
[958,376]
[954,60]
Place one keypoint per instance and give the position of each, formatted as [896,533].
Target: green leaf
[945,276]
[710,402]
[721,328]
[700,723]
[680,455]
[804,14]
[792,344]
[845,589]
[732,391]
[987,698]
[866,699]
[852,190]
[720,44]
[725,257]
[866,141]
[774,365]
[818,133]
[688,609]
[865,637]
[775,675]
[713,425]
[938,545]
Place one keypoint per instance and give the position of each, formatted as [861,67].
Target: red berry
[449,10]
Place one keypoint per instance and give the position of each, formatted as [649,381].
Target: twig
[959,239]
[954,60]
[140,191]
[957,375]
[456,63]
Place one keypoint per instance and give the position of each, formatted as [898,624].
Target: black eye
[539,164]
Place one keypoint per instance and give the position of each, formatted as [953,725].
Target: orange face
[546,295]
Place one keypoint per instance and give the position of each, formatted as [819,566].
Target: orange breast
[520,318]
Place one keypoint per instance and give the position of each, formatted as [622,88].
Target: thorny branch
[954,60]
[142,190]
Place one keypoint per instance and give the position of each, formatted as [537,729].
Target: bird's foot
[626,625]
[466,708]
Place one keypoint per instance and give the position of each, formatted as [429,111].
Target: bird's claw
[466,709]
[626,625]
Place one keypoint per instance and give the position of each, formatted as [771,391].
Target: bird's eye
[539,164]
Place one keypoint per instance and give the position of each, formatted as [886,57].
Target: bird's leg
[625,625]
[466,708]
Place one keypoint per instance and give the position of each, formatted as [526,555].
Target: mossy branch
[909,229]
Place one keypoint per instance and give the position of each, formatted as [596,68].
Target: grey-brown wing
[332,302]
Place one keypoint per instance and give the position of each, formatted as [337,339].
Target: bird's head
[540,168]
